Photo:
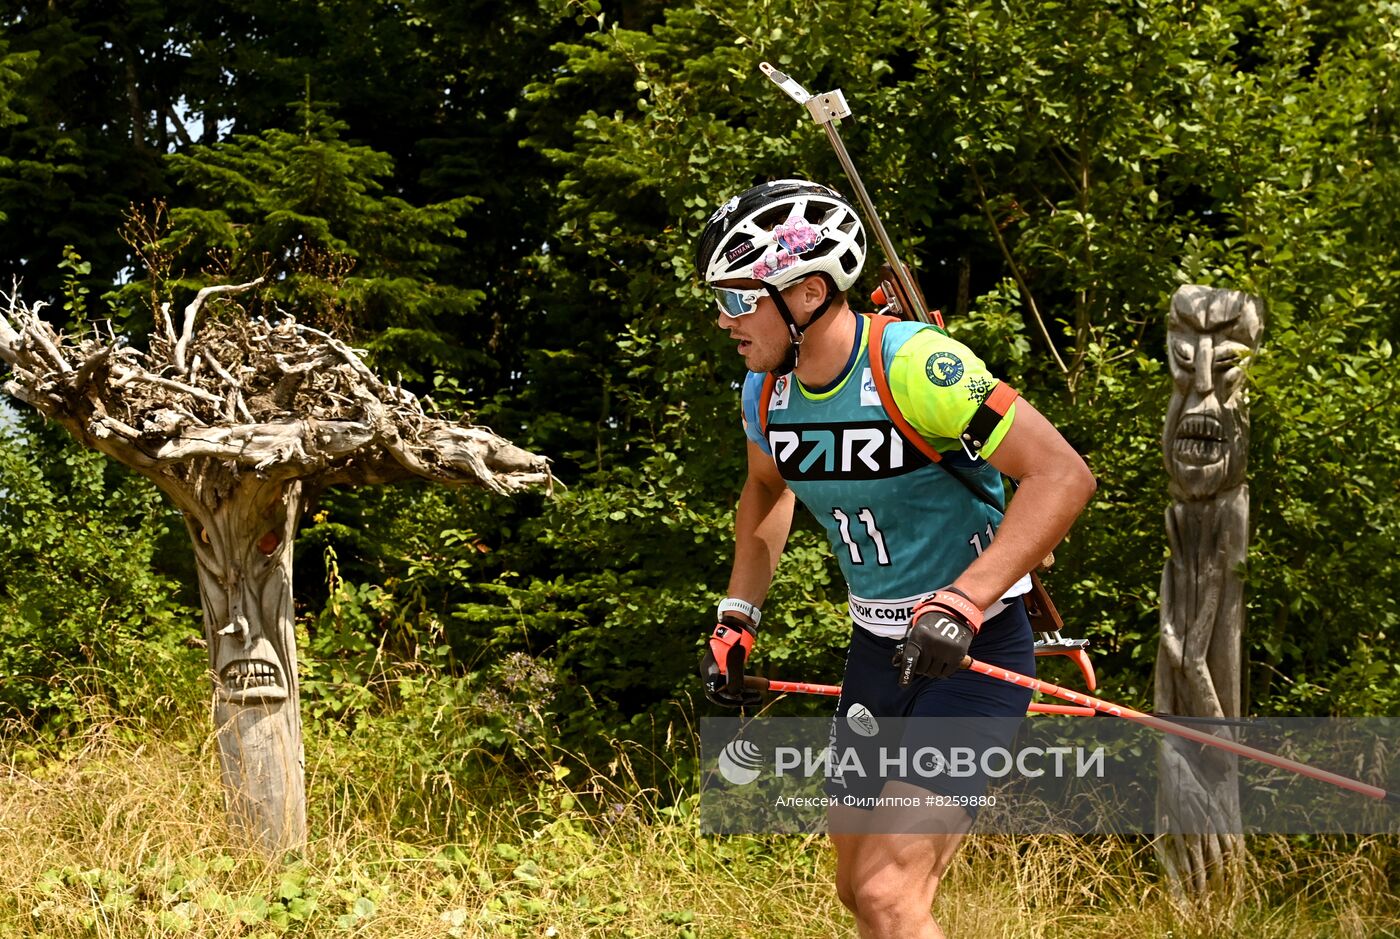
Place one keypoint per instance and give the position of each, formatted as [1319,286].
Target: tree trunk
[243,553]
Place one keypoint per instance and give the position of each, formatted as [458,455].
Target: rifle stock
[892,296]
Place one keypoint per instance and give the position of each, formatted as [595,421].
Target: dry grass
[126,839]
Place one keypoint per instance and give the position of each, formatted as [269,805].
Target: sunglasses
[733,302]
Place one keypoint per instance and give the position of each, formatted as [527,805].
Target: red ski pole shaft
[1168,727]
[758,683]
[790,687]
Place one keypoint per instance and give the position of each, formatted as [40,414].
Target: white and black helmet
[780,232]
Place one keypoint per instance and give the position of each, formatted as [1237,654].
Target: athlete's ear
[811,291]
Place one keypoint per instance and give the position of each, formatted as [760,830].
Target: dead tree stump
[239,421]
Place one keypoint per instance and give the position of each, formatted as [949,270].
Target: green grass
[124,836]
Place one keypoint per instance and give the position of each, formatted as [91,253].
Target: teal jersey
[900,525]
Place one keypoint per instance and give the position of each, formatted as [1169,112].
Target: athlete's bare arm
[761,527]
[1055,485]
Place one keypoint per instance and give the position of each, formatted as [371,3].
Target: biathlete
[933,565]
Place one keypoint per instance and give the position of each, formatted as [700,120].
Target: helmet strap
[795,332]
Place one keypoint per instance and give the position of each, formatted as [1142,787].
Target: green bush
[84,611]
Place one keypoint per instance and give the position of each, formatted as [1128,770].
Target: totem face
[245,578]
[1210,336]
[251,661]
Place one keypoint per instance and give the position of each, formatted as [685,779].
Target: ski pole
[1168,727]
[758,683]
[827,109]
[755,683]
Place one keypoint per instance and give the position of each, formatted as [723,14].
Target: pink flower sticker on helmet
[774,259]
[797,235]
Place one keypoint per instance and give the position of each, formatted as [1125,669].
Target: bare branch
[9,339]
[90,365]
[127,376]
[103,425]
[234,407]
[192,313]
[280,400]
[41,336]
[170,336]
[220,370]
[260,445]
[1016,273]
[45,402]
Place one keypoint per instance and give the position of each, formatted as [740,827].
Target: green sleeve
[938,383]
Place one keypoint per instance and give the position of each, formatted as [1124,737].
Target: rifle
[899,294]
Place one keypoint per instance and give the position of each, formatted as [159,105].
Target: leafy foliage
[502,198]
[310,211]
[86,612]
[1085,161]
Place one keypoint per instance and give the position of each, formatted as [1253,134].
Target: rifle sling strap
[974,437]
[984,421]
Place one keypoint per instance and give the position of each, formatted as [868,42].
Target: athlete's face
[762,335]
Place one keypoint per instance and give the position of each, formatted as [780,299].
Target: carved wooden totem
[1210,336]
[239,421]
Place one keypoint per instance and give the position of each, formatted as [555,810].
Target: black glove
[722,667]
[940,630]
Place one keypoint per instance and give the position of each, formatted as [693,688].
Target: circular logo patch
[929,762]
[943,369]
[859,719]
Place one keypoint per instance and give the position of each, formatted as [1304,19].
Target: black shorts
[929,720]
